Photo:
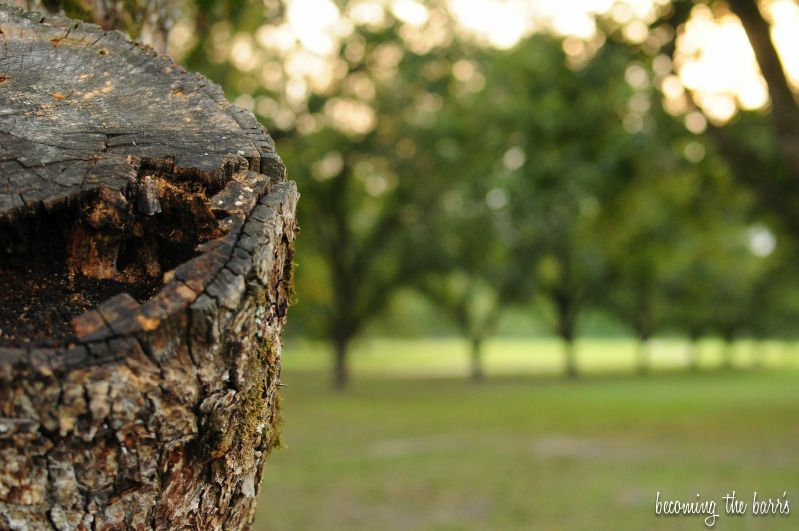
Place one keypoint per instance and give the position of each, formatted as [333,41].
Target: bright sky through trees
[713,59]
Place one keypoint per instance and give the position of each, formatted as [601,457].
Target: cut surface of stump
[146,244]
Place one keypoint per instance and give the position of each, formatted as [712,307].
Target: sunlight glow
[714,65]
[369,13]
[314,23]
[514,158]
[243,54]
[715,60]
[350,116]
[694,152]
[500,23]
[572,17]
[328,167]
[784,15]
[497,198]
[762,241]
[410,11]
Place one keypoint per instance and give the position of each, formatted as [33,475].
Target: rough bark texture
[155,408]
[147,20]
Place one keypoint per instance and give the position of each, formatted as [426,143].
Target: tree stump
[146,230]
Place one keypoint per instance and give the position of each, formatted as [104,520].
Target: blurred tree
[773,306]
[639,231]
[718,272]
[566,154]
[472,305]
[715,283]
[470,238]
[476,277]
[674,238]
[704,289]
[784,110]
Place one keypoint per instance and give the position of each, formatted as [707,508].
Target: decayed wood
[154,409]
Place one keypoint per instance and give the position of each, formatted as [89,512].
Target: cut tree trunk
[146,230]
[149,21]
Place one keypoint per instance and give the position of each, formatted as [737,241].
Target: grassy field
[514,357]
[399,451]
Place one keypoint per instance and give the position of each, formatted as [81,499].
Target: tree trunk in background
[148,21]
[776,183]
[476,354]
[570,357]
[693,351]
[785,112]
[728,351]
[787,352]
[642,324]
[758,352]
[340,369]
[147,228]
[643,354]
[564,306]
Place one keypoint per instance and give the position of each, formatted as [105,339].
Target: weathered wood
[155,223]
[149,21]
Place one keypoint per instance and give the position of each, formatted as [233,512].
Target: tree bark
[758,352]
[570,358]
[340,369]
[565,307]
[643,354]
[776,182]
[148,21]
[787,352]
[693,351]
[785,113]
[476,357]
[148,226]
[728,351]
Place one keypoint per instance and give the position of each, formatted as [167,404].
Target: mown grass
[402,451]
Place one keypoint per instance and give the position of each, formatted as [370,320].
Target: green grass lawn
[513,357]
[398,451]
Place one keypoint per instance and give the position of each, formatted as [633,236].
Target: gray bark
[148,21]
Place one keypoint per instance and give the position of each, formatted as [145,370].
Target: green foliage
[574,156]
